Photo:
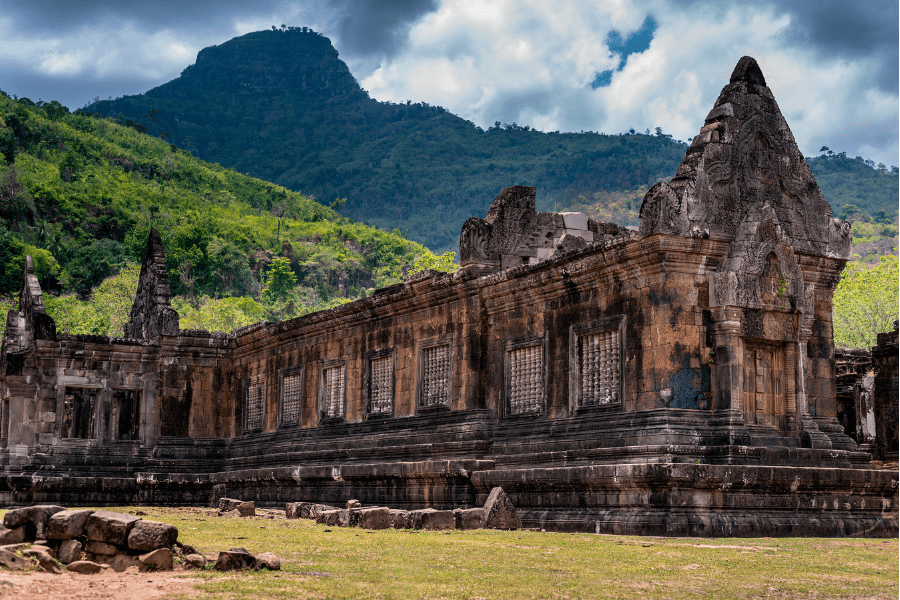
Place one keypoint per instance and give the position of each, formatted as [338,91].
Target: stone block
[268,560]
[429,518]
[158,560]
[13,561]
[354,504]
[574,220]
[84,567]
[499,512]
[246,509]
[12,536]
[399,518]
[235,560]
[120,562]
[151,535]
[67,524]
[195,561]
[375,518]
[100,548]
[37,515]
[469,518]
[293,510]
[70,551]
[110,527]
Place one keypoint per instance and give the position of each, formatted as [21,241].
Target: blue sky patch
[635,43]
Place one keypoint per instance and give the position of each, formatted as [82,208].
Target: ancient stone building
[676,380]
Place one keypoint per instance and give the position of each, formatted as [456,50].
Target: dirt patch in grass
[128,585]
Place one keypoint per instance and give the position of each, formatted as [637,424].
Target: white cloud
[533,62]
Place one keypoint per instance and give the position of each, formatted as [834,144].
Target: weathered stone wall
[885,363]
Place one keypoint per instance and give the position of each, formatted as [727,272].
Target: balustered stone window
[254,402]
[333,390]
[435,374]
[597,362]
[380,382]
[291,395]
[526,379]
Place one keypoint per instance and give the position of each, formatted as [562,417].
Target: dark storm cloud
[376,26]
[852,30]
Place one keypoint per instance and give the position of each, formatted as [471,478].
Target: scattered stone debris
[229,507]
[498,512]
[85,541]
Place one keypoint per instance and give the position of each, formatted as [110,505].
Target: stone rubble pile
[498,512]
[87,541]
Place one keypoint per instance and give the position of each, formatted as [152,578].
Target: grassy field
[330,562]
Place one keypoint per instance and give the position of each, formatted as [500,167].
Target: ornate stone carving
[744,158]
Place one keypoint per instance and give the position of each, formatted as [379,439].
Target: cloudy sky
[567,65]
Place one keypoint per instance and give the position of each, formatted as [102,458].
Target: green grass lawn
[331,562]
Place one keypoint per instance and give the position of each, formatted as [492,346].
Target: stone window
[333,387]
[381,383]
[127,405]
[525,376]
[79,408]
[596,363]
[254,402]
[435,375]
[291,395]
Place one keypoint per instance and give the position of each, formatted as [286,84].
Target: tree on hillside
[865,303]
[280,284]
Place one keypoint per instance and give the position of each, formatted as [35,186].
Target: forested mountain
[281,105]
[80,193]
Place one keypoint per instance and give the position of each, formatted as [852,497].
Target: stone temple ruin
[678,380]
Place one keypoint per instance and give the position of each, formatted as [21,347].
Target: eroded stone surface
[67,524]
[13,561]
[268,560]
[499,512]
[234,560]
[110,527]
[158,560]
[12,536]
[84,567]
[150,535]
[69,551]
[37,515]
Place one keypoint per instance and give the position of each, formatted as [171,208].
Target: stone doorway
[763,399]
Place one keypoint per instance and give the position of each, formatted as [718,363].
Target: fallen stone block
[469,518]
[101,548]
[187,549]
[235,561]
[70,551]
[48,563]
[268,560]
[67,524]
[120,562]
[399,518]
[85,567]
[317,509]
[228,504]
[13,561]
[292,510]
[37,515]
[354,504]
[12,536]
[499,512]
[158,560]
[374,518]
[437,520]
[195,561]
[150,535]
[246,509]
[328,517]
[35,551]
[110,527]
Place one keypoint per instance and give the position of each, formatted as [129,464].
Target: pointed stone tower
[744,159]
[744,181]
[152,314]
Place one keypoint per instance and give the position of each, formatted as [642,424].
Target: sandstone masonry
[678,380]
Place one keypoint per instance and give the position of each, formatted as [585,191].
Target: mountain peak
[269,63]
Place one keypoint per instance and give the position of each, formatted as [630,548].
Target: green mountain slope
[282,106]
[81,193]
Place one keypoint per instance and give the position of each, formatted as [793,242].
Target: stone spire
[743,159]
[152,314]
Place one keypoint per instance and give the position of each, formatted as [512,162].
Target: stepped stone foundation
[676,380]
